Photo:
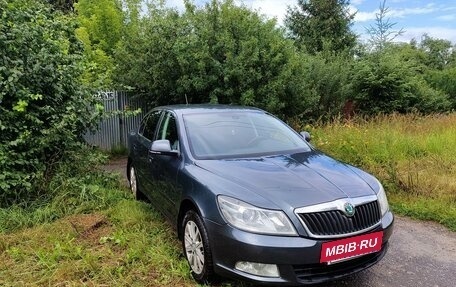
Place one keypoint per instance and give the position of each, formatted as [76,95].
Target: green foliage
[101,28]
[383,83]
[327,77]
[440,53]
[435,61]
[224,53]
[66,6]
[221,53]
[43,108]
[380,85]
[318,25]
[75,188]
[413,156]
[445,81]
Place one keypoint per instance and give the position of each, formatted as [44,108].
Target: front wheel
[195,245]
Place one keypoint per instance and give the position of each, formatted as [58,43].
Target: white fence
[113,130]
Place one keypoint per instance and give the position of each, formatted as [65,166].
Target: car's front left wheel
[196,247]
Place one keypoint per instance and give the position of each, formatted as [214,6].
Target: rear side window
[149,125]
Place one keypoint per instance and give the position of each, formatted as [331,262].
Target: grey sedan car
[251,198]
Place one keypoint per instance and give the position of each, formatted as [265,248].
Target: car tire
[133,181]
[196,248]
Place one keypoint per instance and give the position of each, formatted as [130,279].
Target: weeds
[78,186]
[130,246]
[414,156]
[89,232]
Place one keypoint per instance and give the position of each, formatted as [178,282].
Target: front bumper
[297,258]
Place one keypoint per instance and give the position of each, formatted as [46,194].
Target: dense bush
[43,108]
[383,83]
[220,53]
[225,53]
[445,81]
[327,77]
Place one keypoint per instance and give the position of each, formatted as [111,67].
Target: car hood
[295,180]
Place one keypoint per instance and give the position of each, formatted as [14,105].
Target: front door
[165,169]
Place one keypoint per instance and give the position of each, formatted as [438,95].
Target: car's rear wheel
[196,247]
[133,180]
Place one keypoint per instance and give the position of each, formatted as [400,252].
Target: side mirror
[162,147]
[306,136]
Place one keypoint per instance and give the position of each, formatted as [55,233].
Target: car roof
[207,108]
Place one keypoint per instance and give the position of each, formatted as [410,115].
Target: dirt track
[420,254]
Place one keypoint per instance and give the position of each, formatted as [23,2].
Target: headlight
[382,200]
[253,219]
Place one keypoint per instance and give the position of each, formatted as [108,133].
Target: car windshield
[239,134]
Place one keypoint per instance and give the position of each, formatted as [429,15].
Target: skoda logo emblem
[349,209]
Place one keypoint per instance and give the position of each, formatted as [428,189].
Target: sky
[415,17]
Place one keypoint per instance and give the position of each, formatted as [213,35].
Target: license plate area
[348,248]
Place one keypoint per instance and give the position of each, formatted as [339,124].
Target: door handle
[151,156]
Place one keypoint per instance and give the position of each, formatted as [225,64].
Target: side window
[168,131]
[150,124]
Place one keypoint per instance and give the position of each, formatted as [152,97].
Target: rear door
[141,148]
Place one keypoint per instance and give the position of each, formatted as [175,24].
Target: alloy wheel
[133,182]
[194,247]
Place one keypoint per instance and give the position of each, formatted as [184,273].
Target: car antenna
[186,100]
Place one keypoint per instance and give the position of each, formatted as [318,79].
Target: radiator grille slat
[335,222]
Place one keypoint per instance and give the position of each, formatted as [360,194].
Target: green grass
[415,158]
[125,245]
[89,231]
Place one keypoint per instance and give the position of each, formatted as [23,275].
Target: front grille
[317,273]
[335,222]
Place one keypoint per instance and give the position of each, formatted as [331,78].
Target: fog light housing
[259,269]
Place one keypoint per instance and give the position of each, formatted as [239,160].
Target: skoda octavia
[252,199]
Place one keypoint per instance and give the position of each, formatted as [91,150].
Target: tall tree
[382,32]
[318,25]
[440,52]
